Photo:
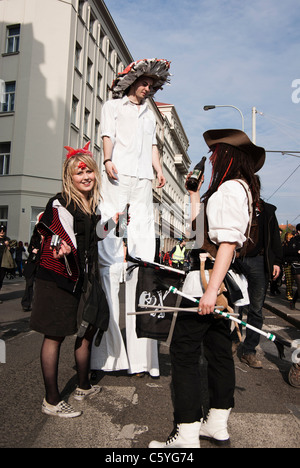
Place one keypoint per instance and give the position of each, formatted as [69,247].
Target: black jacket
[270,239]
[291,250]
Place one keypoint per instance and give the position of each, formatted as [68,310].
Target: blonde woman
[60,276]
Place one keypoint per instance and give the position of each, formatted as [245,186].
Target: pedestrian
[287,268]
[167,259]
[292,257]
[130,155]
[71,217]
[20,249]
[235,159]
[178,254]
[4,253]
[30,267]
[26,253]
[263,263]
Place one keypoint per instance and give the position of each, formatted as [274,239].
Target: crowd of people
[76,259]
[18,255]
[290,268]
[22,259]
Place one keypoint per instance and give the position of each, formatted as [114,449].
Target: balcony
[181,163]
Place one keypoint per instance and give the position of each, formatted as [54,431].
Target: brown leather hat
[238,139]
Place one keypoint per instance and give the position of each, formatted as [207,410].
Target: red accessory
[226,171]
[82,165]
[72,152]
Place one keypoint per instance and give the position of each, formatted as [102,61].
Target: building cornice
[112,28]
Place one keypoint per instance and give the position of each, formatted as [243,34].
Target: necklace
[135,103]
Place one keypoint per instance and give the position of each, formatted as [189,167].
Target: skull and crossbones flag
[154,281]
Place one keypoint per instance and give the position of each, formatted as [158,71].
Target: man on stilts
[130,155]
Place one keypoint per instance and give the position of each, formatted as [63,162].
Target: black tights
[50,353]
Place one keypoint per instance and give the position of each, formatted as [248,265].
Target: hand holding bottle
[196,177]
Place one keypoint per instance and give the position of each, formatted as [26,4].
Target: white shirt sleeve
[154,139]
[228,214]
[108,121]
[66,220]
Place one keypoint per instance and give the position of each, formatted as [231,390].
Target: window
[80,7]
[3,215]
[89,72]
[110,54]
[13,39]
[4,158]
[97,127]
[108,93]
[102,36]
[99,83]
[92,22]
[8,100]
[77,55]
[74,111]
[86,122]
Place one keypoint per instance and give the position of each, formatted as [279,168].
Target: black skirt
[54,310]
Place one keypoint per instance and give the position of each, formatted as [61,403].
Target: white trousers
[139,354]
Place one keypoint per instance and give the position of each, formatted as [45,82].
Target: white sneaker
[215,427]
[185,436]
[62,410]
[81,394]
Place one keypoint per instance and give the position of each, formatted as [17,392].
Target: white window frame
[4,163]
[8,99]
[13,40]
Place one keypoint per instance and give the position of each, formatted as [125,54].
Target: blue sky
[244,54]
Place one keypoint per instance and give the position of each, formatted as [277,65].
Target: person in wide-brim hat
[157,69]
[239,140]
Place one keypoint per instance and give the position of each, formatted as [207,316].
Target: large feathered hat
[158,69]
[238,139]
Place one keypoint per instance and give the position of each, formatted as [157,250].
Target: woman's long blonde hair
[70,193]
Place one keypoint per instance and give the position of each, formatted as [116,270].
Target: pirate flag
[154,281]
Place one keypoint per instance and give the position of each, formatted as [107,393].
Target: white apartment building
[58,59]
[176,164]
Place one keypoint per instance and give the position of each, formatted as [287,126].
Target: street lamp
[206,108]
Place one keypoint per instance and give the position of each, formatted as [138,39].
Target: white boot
[215,427]
[186,436]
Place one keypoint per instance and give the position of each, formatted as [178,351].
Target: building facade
[176,163]
[57,62]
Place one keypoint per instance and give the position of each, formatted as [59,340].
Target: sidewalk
[281,307]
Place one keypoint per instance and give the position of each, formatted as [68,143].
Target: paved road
[131,411]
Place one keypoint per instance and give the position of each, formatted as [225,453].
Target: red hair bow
[72,152]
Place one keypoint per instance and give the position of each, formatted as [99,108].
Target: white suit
[133,132]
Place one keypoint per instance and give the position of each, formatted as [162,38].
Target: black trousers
[190,332]
[2,275]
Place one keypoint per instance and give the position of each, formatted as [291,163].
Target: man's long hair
[229,163]
[70,193]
